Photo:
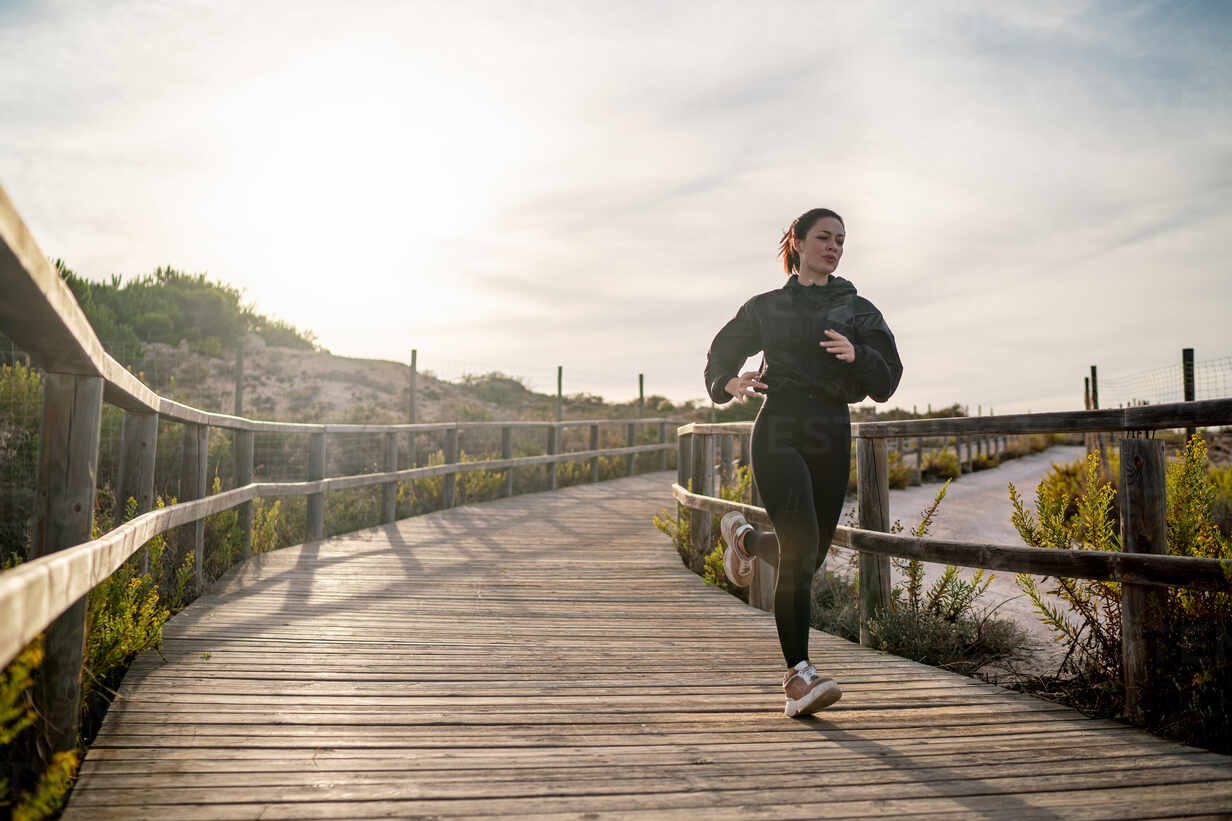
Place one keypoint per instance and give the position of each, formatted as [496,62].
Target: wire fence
[1212,380]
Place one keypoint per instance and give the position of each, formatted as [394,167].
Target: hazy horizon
[1029,188]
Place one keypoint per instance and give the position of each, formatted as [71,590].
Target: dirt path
[977,508]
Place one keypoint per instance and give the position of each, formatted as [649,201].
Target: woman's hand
[840,346]
[743,386]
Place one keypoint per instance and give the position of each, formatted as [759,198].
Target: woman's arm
[735,342]
[877,366]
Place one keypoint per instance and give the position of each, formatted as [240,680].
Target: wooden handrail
[1130,568]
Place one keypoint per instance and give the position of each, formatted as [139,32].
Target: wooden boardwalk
[548,656]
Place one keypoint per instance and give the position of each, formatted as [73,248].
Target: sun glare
[357,162]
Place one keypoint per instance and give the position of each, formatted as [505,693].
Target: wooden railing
[47,594]
[705,453]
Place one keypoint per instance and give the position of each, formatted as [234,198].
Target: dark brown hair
[797,230]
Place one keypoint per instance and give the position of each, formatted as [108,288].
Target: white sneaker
[808,691]
[737,564]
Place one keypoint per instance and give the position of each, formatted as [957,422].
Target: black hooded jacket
[788,324]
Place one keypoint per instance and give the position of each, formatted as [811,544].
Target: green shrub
[1191,676]
[940,626]
[942,465]
[899,472]
[21,409]
[985,461]
[1221,506]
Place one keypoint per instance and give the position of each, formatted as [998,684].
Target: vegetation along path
[977,508]
[548,655]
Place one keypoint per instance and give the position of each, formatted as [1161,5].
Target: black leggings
[801,458]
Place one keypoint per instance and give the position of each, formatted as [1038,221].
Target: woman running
[824,348]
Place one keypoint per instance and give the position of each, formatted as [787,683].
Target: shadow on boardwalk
[549,656]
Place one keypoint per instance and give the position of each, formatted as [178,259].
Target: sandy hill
[312,386]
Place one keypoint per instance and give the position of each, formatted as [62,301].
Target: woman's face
[821,248]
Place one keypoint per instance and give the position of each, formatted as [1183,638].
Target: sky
[1029,188]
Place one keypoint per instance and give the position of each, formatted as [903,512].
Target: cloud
[1028,186]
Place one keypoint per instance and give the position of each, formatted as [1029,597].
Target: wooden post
[316,501]
[1144,529]
[1099,437]
[726,444]
[138,447]
[1088,439]
[389,490]
[64,512]
[761,588]
[594,460]
[684,469]
[553,448]
[631,438]
[1187,375]
[451,458]
[919,454]
[745,441]
[703,482]
[239,379]
[411,398]
[193,472]
[242,452]
[560,383]
[873,513]
[663,441]
[641,395]
[507,453]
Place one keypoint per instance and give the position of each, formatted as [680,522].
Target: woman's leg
[828,453]
[785,480]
